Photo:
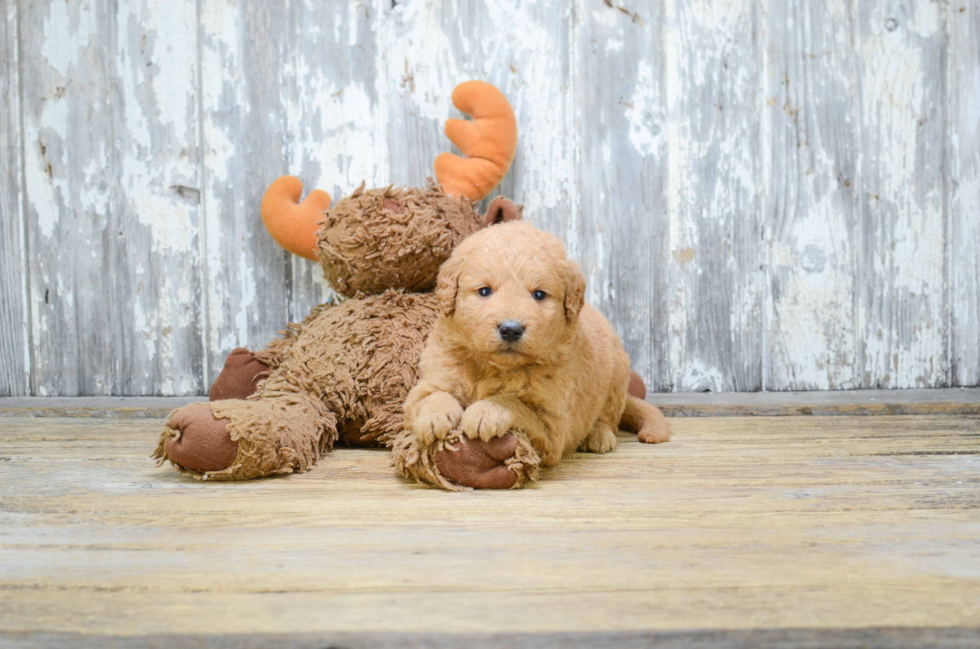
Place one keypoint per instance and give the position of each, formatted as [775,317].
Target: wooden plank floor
[752,530]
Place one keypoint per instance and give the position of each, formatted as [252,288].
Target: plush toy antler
[488,142]
[293,224]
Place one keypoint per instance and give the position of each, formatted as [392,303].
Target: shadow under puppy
[517,349]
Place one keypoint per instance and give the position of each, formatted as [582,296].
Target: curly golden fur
[517,348]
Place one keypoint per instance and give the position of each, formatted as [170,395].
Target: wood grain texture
[334,136]
[811,207]
[110,133]
[15,365]
[621,236]
[963,189]
[715,191]
[901,274]
[866,638]
[243,131]
[736,524]
[289,89]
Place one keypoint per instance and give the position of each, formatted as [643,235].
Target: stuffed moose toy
[343,373]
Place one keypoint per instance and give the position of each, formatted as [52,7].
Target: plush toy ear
[502,210]
[447,285]
[574,291]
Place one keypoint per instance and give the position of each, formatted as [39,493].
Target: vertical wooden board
[156,201]
[963,187]
[111,174]
[65,117]
[902,309]
[622,228]
[15,372]
[523,48]
[811,207]
[715,190]
[286,90]
[336,133]
[244,50]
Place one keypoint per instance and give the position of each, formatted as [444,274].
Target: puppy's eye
[485,291]
[539,295]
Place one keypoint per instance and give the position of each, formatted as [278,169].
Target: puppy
[517,348]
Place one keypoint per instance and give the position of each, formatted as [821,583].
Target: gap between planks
[946,401]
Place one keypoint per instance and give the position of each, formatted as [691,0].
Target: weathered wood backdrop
[769,194]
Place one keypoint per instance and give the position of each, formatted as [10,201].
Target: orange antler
[293,224]
[488,142]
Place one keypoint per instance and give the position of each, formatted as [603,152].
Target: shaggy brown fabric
[422,463]
[241,374]
[279,434]
[345,374]
[367,246]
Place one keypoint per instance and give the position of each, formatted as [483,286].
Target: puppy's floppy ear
[502,210]
[574,291]
[447,285]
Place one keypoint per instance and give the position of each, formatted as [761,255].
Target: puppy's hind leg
[601,439]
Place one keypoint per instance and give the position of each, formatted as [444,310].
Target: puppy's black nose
[511,330]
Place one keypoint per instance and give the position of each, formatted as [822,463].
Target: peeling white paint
[713,196]
[803,209]
[644,133]
[68,27]
[421,55]
[48,192]
[905,342]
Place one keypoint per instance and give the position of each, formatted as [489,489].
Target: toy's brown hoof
[637,387]
[203,443]
[479,464]
[240,376]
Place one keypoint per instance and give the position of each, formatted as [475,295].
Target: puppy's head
[510,294]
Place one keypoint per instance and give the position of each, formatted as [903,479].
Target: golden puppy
[517,347]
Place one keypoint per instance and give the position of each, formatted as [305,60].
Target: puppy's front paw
[600,440]
[486,420]
[437,415]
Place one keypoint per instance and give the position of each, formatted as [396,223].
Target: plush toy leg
[243,370]
[637,388]
[240,376]
[244,439]
[459,463]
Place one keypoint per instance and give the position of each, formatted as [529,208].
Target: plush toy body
[344,372]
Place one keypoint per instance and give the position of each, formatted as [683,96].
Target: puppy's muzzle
[510,330]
